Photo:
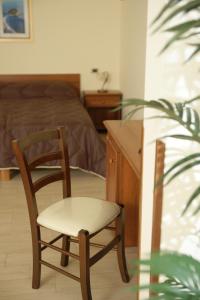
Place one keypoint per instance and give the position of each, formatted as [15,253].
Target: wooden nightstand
[99,106]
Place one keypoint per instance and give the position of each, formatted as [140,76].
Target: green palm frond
[185,116]
[175,10]
[184,26]
[179,112]
[178,165]
[180,137]
[195,194]
[196,50]
[183,169]
[166,7]
[179,34]
[192,100]
[180,31]
[196,122]
[182,273]
[179,108]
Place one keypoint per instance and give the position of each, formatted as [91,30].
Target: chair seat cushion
[72,214]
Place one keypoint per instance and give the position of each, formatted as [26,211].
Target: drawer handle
[111,160]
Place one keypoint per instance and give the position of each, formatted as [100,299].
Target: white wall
[167,77]
[69,36]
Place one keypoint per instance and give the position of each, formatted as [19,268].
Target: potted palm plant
[181,272]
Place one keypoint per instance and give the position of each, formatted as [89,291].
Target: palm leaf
[196,210]
[195,194]
[177,164]
[130,114]
[196,122]
[194,52]
[162,297]
[192,100]
[188,36]
[180,136]
[191,5]
[179,107]
[158,117]
[134,101]
[182,170]
[188,116]
[185,25]
[140,102]
[181,31]
[167,104]
[174,38]
[173,111]
[182,273]
[165,8]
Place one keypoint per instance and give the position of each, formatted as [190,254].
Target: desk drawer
[102,100]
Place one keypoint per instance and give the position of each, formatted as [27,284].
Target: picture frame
[15,20]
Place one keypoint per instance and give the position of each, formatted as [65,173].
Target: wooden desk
[124,178]
[124,171]
[124,182]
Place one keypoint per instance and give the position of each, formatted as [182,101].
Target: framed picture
[15,21]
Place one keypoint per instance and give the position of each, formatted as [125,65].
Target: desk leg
[128,195]
[123,187]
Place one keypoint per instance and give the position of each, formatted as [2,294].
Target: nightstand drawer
[102,100]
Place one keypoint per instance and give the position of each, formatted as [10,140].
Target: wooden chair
[77,219]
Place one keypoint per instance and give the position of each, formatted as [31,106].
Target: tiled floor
[15,248]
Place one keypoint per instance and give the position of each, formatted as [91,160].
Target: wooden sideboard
[124,182]
[124,171]
[124,178]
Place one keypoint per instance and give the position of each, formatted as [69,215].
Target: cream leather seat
[73,214]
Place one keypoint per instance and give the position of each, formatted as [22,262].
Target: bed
[30,103]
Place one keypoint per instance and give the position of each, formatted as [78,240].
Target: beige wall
[133,48]
[69,36]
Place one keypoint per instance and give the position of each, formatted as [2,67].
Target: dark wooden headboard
[73,79]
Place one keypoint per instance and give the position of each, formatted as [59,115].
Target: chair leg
[65,246]
[36,259]
[84,252]
[121,247]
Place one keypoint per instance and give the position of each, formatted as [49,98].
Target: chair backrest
[25,166]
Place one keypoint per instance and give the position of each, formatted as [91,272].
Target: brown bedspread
[19,117]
